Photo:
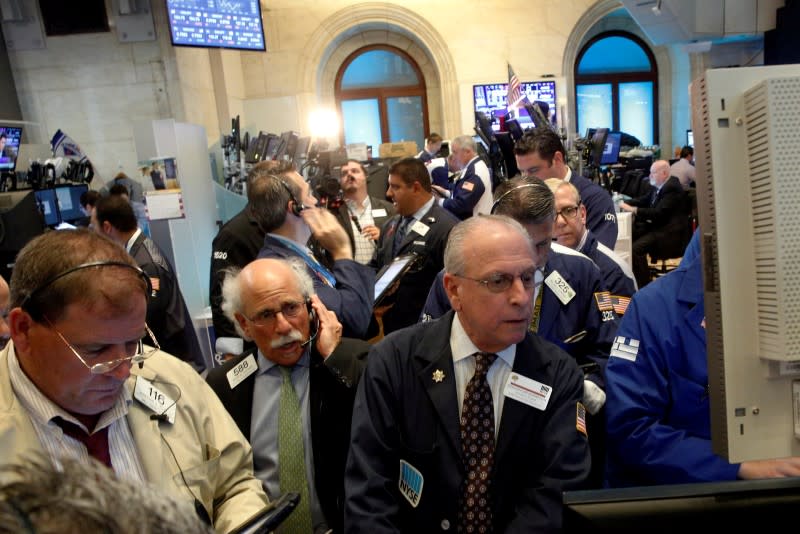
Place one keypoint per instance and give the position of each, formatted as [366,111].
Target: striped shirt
[56,444]
[364,247]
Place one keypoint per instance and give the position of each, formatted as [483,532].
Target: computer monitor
[747,187]
[731,504]
[48,206]
[20,221]
[10,138]
[492,100]
[689,138]
[598,144]
[610,154]
[301,151]
[69,202]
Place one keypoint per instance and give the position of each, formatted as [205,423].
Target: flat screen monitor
[611,149]
[48,206]
[492,99]
[301,151]
[69,202]
[10,137]
[598,143]
[20,221]
[233,24]
[689,138]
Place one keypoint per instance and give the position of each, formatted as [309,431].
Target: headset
[504,195]
[312,319]
[297,207]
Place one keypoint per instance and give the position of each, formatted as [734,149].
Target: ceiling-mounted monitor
[491,99]
[233,24]
[10,137]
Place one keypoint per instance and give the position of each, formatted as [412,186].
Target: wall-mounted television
[10,137]
[491,99]
[216,24]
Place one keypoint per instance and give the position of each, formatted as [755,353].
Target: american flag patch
[620,303]
[580,419]
[603,299]
[469,186]
[625,348]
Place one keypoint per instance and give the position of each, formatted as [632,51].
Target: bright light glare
[323,123]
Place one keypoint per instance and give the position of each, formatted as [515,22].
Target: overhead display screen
[216,23]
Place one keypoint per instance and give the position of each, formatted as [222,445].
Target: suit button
[445,524]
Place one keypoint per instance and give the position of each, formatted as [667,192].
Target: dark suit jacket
[668,214]
[413,289]
[402,413]
[343,214]
[167,314]
[331,392]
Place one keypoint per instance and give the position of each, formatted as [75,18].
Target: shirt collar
[420,213]
[462,346]
[264,365]
[133,238]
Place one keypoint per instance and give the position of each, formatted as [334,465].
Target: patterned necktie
[291,457]
[477,447]
[653,198]
[400,233]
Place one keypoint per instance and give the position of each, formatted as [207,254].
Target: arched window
[616,86]
[380,93]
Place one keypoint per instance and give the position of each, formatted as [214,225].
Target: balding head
[659,170]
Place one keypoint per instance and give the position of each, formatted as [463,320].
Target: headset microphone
[161,417]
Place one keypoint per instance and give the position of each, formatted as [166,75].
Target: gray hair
[465,141]
[232,289]
[455,261]
[526,200]
[80,497]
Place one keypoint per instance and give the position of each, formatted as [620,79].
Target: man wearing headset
[299,346]
[76,381]
[286,210]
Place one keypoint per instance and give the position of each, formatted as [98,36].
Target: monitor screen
[598,144]
[491,99]
[69,202]
[690,138]
[611,149]
[229,24]
[46,199]
[10,137]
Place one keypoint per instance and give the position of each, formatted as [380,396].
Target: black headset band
[504,195]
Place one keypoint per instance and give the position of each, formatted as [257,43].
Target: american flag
[514,90]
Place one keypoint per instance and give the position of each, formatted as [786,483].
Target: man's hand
[371,232]
[441,191]
[627,207]
[593,397]
[328,232]
[778,468]
[330,329]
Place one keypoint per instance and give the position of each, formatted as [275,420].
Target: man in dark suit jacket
[271,301]
[660,215]
[167,314]
[425,226]
[410,467]
[361,215]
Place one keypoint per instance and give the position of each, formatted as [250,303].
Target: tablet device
[270,517]
[390,274]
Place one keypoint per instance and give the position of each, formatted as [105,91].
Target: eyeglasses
[135,349]
[570,212]
[267,317]
[499,282]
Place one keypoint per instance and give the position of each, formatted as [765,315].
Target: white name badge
[420,227]
[380,212]
[155,399]
[560,287]
[241,370]
[527,391]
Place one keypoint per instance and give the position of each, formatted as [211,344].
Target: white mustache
[291,337]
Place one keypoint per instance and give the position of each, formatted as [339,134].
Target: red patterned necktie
[96,443]
[477,446]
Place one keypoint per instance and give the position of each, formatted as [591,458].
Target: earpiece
[297,207]
[313,322]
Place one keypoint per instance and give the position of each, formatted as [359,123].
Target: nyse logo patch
[625,348]
[410,483]
[611,217]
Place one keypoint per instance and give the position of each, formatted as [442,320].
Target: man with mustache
[296,389]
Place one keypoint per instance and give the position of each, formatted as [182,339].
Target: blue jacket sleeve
[466,194]
[645,395]
[351,299]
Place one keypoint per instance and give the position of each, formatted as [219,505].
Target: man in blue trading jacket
[472,192]
[572,309]
[659,426]
[571,232]
[541,154]
[446,433]
[287,212]
[425,226]
[432,146]
[272,302]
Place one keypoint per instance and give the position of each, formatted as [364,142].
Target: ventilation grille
[772,115]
